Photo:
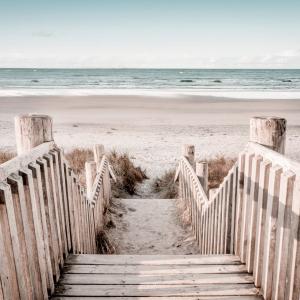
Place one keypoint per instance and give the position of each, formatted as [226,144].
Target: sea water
[241,83]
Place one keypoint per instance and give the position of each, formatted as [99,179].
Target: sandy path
[151,226]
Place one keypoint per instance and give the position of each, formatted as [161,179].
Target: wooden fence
[45,215]
[255,214]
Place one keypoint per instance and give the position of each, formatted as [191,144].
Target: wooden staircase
[155,277]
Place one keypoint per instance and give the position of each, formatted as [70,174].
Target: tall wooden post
[32,130]
[188,151]
[98,153]
[90,175]
[269,132]
[202,173]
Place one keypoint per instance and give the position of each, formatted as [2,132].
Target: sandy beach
[152,129]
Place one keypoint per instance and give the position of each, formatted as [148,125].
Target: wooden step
[95,259]
[155,277]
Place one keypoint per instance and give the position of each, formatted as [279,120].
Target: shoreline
[152,129]
[155,92]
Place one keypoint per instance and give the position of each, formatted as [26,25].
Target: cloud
[43,34]
[285,59]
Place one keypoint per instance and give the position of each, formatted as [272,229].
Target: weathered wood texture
[45,216]
[255,212]
[32,130]
[166,276]
[44,212]
[212,220]
[269,132]
[202,173]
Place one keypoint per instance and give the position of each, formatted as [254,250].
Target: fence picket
[270,231]
[283,234]
[292,287]
[265,166]
[8,274]
[252,212]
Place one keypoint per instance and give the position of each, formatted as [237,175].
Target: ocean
[241,83]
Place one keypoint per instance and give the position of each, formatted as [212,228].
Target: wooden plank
[75,209]
[95,259]
[157,290]
[64,183]
[59,197]
[223,220]
[270,231]
[292,287]
[153,269]
[246,196]
[164,298]
[275,157]
[283,234]
[252,212]
[53,195]
[232,216]
[22,161]
[239,203]
[214,226]
[49,213]
[25,200]
[227,222]
[37,180]
[36,239]
[9,249]
[70,204]
[261,217]
[18,236]
[170,279]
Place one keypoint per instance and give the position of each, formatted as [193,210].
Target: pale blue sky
[157,33]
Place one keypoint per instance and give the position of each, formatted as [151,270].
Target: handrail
[255,214]
[195,180]
[212,234]
[21,161]
[274,157]
[44,216]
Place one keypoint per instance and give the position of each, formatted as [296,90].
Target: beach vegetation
[164,186]
[128,175]
[6,156]
[218,168]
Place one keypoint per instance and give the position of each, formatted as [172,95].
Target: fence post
[269,132]
[32,130]
[98,154]
[202,173]
[188,151]
[90,175]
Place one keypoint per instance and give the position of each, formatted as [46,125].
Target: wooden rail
[255,214]
[210,218]
[45,215]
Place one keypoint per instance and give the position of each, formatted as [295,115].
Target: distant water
[232,83]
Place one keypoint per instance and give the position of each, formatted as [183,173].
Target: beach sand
[152,129]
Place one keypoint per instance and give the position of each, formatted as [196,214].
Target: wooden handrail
[214,235]
[255,214]
[23,160]
[44,216]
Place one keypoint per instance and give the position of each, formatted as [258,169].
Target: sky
[150,33]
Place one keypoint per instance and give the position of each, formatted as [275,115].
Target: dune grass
[218,168]
[164,186]
[6,155]
[128,175]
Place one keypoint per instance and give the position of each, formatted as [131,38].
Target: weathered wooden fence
[45,213]
[255,213]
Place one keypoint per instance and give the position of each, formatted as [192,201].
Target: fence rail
[255,214]
[45,215]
